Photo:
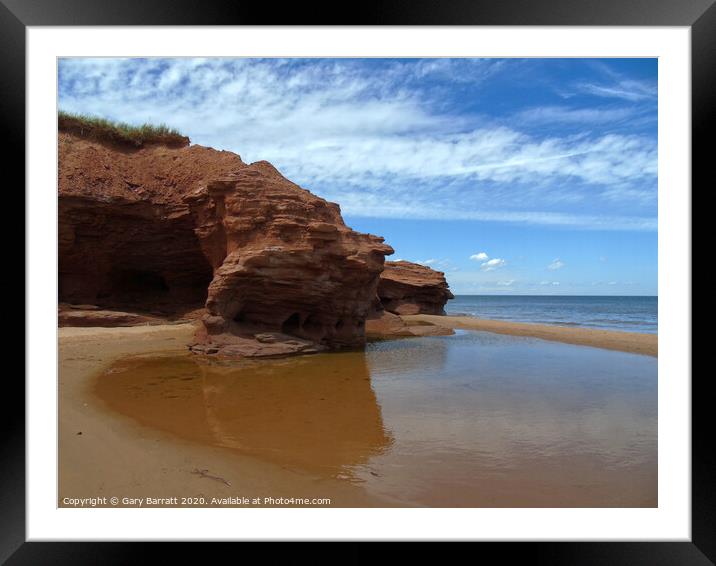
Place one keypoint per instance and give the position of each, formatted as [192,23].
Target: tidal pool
[471,420]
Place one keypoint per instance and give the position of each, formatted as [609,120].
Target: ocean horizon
[630,313]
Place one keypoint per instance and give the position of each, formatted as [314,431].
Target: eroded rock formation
[292,267]
[382,325]
[409,288]
[165,229]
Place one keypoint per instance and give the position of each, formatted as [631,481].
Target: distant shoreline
[631,342]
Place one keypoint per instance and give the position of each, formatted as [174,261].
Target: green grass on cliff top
[101,129]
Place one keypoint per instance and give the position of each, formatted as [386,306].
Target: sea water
[630,314]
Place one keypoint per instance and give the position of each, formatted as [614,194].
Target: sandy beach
[103,454]
[632,342]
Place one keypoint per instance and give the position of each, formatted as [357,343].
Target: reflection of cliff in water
[315,413]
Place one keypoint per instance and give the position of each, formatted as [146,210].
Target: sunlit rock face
[166,228]
[407,288]
[294,277]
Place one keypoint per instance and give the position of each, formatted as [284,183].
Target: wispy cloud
[482,256]
[615,85]
[368,205]
[555,265]
[631,90]
[380,139]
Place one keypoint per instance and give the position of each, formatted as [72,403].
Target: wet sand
[105,454]
[632,342]
[471,420]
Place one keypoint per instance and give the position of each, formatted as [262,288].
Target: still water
[471,420]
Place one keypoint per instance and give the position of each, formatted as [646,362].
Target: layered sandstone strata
[407,288]
[161,229]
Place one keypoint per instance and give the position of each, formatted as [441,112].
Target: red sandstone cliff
[410,288]
[165,229]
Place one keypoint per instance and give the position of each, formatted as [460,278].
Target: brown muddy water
[471,420]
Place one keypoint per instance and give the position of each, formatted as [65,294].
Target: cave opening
[312,326]
[137,289]
[137,281]
[292,325]
[121,257]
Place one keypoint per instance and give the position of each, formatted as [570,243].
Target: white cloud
[378,143]
[556,264]
[427,261]
[378,206]
[616,85]
[494,263]
[507,283]
[482,256]
[630,90]
[555,283]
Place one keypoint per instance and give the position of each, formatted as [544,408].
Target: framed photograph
[424,275]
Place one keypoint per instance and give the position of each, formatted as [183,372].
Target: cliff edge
[166,228]
[407,288]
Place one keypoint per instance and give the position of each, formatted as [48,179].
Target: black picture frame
[699,15]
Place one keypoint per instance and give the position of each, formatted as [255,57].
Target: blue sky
[513,176]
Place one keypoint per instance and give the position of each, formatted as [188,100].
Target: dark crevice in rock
[292,325]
